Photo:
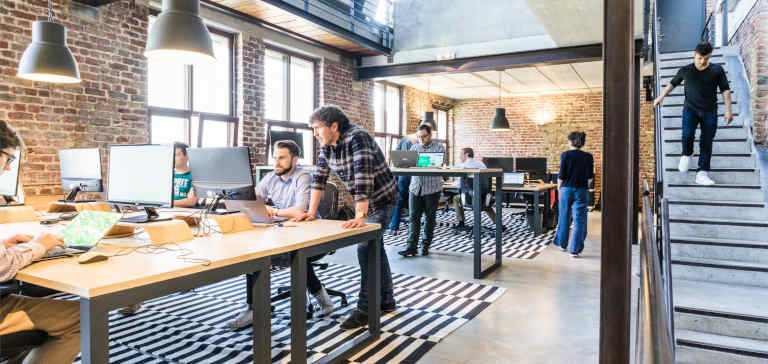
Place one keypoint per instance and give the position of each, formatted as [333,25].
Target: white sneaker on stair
[684,161]
[702,178]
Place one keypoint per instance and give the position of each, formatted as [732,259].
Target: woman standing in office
[576,174]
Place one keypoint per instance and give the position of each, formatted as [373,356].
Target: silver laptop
[255,209]
[404,158]
[514,179]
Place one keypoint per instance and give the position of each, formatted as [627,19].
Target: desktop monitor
[507,164]
[430,159]
[514,178]
[141,175]
[222,171]
[532,165]
[80,171]
[9,180]
[278,135]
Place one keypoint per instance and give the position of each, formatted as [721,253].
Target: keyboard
[59,252]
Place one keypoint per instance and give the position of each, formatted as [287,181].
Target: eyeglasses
[425,136]
[9,158]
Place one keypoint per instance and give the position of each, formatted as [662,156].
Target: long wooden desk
[135,277]
[476,174]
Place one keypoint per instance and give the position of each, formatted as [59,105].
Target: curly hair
[8,136]
[577,138]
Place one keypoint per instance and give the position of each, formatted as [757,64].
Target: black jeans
[426,205]
[708,122]
[387,287]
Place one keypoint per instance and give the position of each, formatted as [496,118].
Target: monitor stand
[152,216]
[10,201]
[72,195]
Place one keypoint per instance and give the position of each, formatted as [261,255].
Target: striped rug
[190,327]
[517,241]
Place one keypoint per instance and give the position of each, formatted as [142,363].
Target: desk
[122,280]
[476,174]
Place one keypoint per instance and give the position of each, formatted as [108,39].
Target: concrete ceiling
[561,78]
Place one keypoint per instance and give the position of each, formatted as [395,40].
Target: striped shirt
[286,191]
[17,257]
[360,164]
[421,185]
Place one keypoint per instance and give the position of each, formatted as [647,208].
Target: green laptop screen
[88,228]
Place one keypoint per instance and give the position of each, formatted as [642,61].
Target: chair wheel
[344,301]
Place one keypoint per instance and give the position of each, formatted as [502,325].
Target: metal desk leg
[298,307]
[476,225]
[499,226]
[94,331]
[374,288]
[262,323]
[536,220]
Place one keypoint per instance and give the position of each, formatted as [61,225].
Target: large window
[388,123]
[194,104]
[289,97]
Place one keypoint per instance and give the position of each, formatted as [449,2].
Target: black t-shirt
[576,168]
[701,86]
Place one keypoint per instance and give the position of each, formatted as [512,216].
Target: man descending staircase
[719,231]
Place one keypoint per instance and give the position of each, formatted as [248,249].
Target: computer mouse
[91,257]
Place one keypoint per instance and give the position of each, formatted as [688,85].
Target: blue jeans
[387,289]
[403,183]
[573,207]
[708,122]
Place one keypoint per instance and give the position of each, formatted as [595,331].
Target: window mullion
[287,88]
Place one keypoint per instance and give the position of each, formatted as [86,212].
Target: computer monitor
[430,159]
[224,172]
[278,135]
[507,164]
[9,180]
[532,165]
[514,178]
[141,175]
[80,171]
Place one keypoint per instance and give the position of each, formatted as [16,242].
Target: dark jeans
[403,183]
[708,122]
[313,283]
[419,205]
[573,207]
[387,288]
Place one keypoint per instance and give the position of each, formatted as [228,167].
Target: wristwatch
[361,214]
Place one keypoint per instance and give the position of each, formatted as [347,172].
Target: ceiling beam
[95,2]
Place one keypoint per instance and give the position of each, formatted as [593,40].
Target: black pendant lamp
[500,119]
[179,35]
[47,58]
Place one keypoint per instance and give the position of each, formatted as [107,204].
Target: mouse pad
[88,227]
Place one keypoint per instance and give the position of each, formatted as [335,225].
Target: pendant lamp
[179,35]
[47,58]
[500,119]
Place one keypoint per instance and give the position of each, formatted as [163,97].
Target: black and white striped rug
[190,327]
[517,241]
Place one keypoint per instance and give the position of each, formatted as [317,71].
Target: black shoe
[410,252]
[388,307]
[355,320]
[425,251]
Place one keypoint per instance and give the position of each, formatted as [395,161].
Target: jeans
[313,282]
[419,205]
[573,207]
[708,122]
[490,210]
[387,288]
[403,183]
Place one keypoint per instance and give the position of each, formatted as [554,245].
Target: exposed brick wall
[417,102]
[539,126]
[249,53]
[338,86]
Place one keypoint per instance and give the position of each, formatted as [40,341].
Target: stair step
[746,251]
[737,210]
[678,99]
[719,146]
[676,121]
[672,71]
[722,271]
[677,63]
[691,191]
[698,347]
[667,111]
[724,132]
[721,160]
[721,323]
[723,175]
[716,53]
[719,228]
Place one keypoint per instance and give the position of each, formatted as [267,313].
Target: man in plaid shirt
[350,152]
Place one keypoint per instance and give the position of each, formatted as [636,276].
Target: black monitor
[507,164]
[80,171]
[531,165]
[141,175]
[9,180]
[278,135]
[222,172]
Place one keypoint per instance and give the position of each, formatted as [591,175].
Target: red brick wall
[250,96]
[339,87]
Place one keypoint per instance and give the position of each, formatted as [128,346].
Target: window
[442,124]
[289,97]
[193,104]
[388,121]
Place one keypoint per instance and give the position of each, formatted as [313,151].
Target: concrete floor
[549,314]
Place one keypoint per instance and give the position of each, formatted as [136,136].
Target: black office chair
[486,200]
[17,343]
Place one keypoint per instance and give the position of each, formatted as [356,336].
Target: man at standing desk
[352,154]
[424,196]
[59,319]
[288,188]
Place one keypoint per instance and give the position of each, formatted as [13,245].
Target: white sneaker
[702,178]
[245,319]
[684,161]
[326,303]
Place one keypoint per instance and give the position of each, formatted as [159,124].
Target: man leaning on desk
[351,153]
[59,319]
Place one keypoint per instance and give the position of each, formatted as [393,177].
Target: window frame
[386,134]
[189,112]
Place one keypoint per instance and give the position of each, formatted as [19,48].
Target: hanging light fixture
[179,35]
[500,119]
[429,116]
[47,58]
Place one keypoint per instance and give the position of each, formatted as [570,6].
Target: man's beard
[285,170]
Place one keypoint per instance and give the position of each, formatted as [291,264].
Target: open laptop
[431,159]
[255,209]
[83,233]
[404,158]
[516,179]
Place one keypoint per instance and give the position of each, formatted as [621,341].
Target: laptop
[431,159]
[255,209]
[83,233]
[516,179]
[404,158]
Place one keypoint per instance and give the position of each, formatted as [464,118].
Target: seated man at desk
[468,161]
[183,192]
[59,319]
[288,190]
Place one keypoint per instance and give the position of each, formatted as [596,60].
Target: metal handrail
[659,160]
[655,343]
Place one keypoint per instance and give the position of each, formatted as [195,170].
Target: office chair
[485,201]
